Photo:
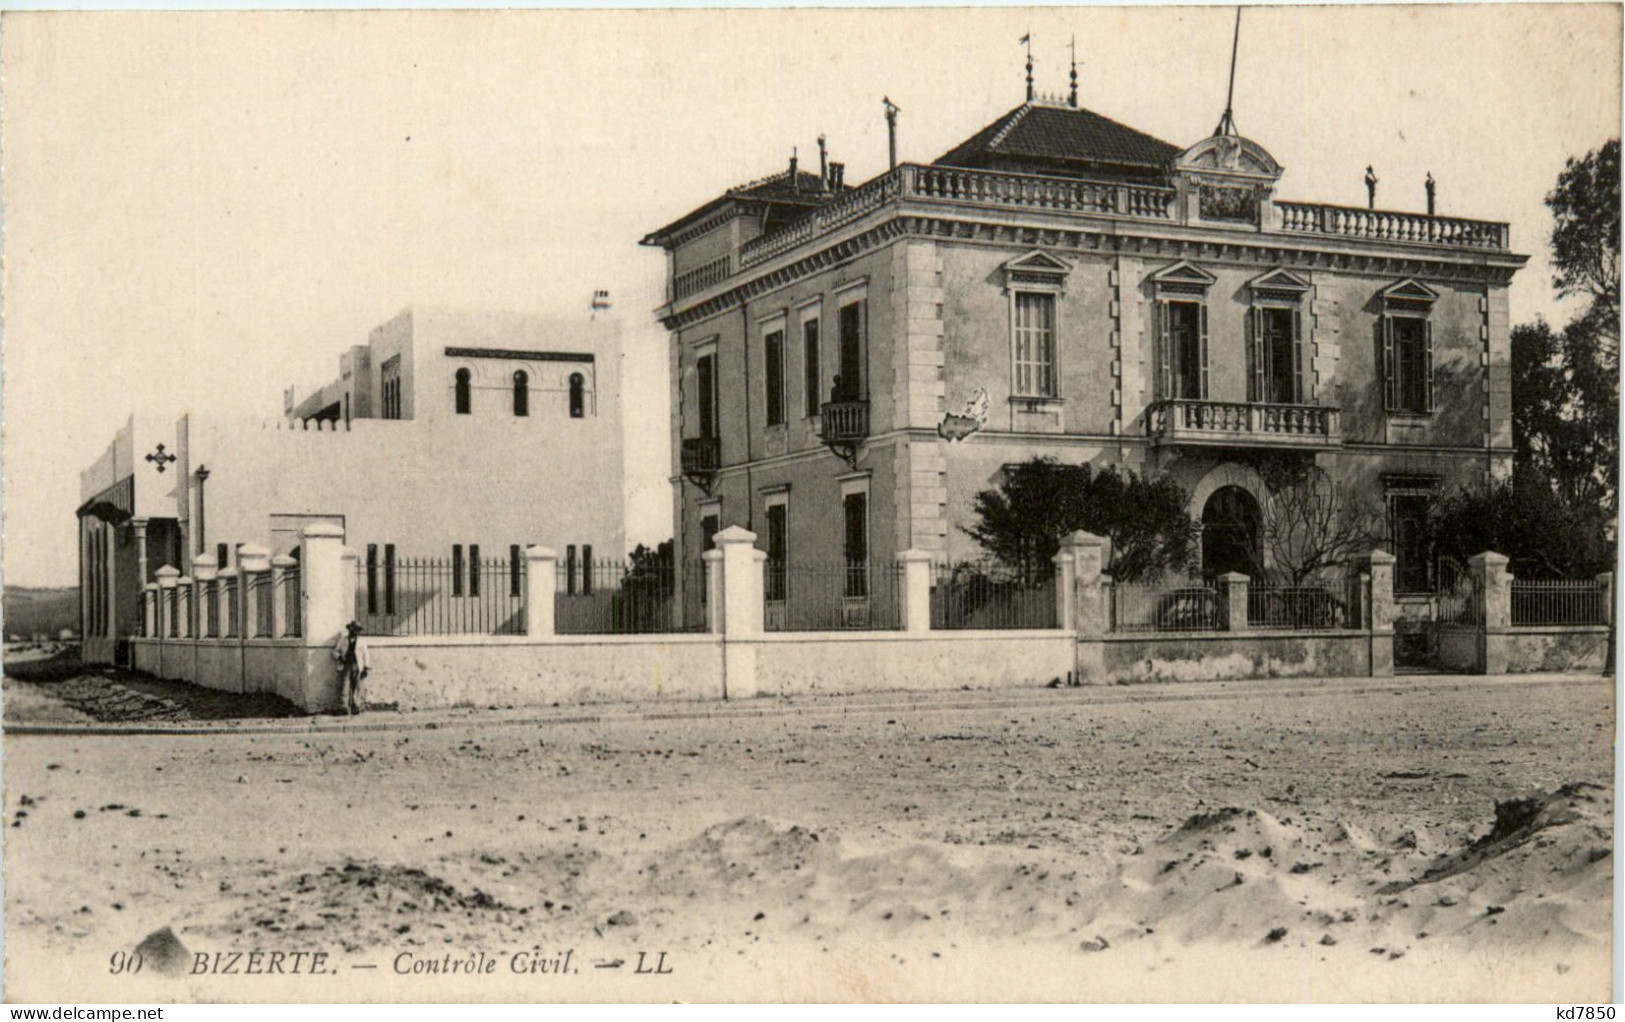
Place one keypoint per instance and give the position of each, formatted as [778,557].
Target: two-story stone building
[1064,285]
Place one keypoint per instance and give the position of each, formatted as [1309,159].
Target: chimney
[823,164]
[795,179]
[837,176]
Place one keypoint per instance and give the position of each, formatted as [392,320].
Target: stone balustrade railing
[1385,225]
[1094,199]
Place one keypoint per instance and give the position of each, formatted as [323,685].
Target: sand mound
[1519,821]
[368,904]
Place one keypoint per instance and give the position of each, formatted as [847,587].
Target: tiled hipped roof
[1040,132]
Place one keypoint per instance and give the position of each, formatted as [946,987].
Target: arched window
[521,393]
[578,401]
[464,393]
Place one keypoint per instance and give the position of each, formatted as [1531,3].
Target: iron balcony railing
[843,420]
[701,454]
[1116,200]
[1234,423]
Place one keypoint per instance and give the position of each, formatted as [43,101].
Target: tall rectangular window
[1035,344]
[515,568]
[372,578]
[855,512]
[221,556]
[1275,357]
[457,569]
[705,382]
[809,363]
[389,377]
[773,349]
[1408,364]
[849,384]
[1407,524]
[474,570]
[778,538]
[1183,355]
[570,569]
[586,569]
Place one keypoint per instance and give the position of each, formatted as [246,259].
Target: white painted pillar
[1233,589]
[253,565]
[322,583]
[203,571]
[138,529]
[713,592]
[741,610]
[541,585]
[167,577]
[1066,600]
[1380,569]
[916,594]
[1089,596]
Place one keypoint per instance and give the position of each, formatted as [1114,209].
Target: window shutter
[1204,350]
[1165,344]
[1427,363]
[1390,377]
[1256,358]
[1300,355]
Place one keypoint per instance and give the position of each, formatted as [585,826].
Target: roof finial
[1227,123]
[891,128]
[1432,189]
[1027,41]
[1072,97]
[823,164]
[1370,187]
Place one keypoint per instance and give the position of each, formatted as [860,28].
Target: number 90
[123,962]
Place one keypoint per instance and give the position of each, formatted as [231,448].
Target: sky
[201,209]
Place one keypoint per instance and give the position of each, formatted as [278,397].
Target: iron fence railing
[232,612]
[1328,605]
[617,598]
[1462,603]
[1187,607]
[211,609]
[1559,602]
[292,603]
[259,590]
[988,595]
[832,597]
[435,596]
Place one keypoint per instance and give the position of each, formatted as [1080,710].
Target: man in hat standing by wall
[350,651]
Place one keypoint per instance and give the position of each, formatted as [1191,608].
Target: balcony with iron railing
[1233,424]
[701,455]
[843,421]
[1111,200]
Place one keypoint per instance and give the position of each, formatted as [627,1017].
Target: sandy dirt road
[1256,840]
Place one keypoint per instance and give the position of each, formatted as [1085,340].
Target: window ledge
[1037,403]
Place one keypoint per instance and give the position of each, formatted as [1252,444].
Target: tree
[1038,502]
[1565,384]
[1541,535]
[1308,522]
[1311,522]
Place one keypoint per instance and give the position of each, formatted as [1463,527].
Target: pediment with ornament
[1183,277]
[1228,156]
[1036,268]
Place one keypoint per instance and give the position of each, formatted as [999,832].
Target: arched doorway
[1230,532]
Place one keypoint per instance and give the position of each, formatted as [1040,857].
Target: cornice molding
[1270,251]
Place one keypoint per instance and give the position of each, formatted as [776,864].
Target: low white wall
[792,663]
[442,671]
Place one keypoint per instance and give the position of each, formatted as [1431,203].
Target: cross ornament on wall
[160,458]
